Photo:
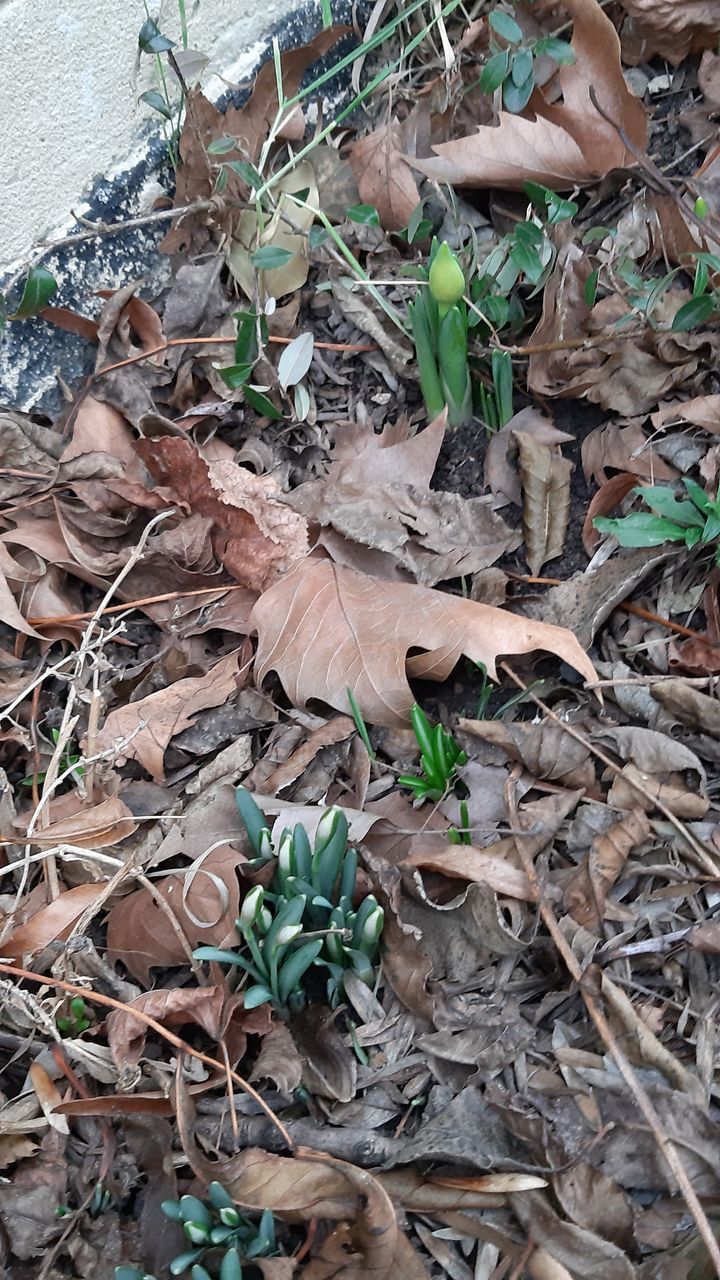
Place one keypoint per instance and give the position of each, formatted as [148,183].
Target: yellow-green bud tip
[446,278]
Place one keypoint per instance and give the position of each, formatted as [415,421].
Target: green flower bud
[446,278]
[251,907]
[701,208]
[373,927]
[196,1232]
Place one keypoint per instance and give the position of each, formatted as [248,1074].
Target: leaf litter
[222,569]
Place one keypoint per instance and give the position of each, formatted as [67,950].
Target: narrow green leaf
[39,289]
[230,1267]
[693,313]
[559,50]
[505,26]
[430,384]
[360,723]
[698,495]
[296,964]
[590,287]
[252,816]
[257,995]
[521,67]
[262,404]
[219,146]
[662,500]
[270,256]
[151,40]
[249,174]
[235,375]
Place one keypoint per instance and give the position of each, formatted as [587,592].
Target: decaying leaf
[545,749]
[587,890]
[255,536]
[674,28]
[564,144]
[324,628]
[545,477]
[142,730]
[52,921]
[385,179]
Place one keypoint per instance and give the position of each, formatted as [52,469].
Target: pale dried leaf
[53,921]
[279,1060]
[545,477]
[587,890]
[323,629]
[545,749]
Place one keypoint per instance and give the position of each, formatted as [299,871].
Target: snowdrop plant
[306,917]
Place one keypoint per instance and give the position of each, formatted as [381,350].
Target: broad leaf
[642,530]
[39,289]
[323,628]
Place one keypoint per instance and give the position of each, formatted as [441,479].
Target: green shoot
[440,756]
[694,521]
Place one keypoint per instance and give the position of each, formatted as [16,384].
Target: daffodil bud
[288,933]
[251,907]
[446,278]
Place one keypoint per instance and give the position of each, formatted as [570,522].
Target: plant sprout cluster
[306,917]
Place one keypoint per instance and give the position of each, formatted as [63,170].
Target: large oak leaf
[324,628]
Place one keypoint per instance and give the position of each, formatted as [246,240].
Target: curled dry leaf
[624,449]
[564,143]
[324,628]
[674,28]
[589,885]
[485,866]
[211,1008]
[96,827]
[607,498]
[142,730]
[545,477]
[279,1060]
[255,536]
[691,707]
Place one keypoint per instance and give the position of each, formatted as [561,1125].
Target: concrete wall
[69,90]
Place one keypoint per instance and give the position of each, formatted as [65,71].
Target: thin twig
[14,971]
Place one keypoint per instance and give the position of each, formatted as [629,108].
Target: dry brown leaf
[583,1253]
[53,921]
[211,1008]
[335,730]
[384,177]
[255,536]
[96,827]
[279,1060]
[464,862]
[588,887]
[362,311]
[566,143]
[48,1095]
[607,498]
[142,730]
[702,411]
[14,1147]
[204,901]
[323,629]
[622,449]
[500,476]
[674,28]
[676,797]
[689,705]
[545,749]
[545,477]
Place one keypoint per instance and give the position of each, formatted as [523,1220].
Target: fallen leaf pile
[210,579]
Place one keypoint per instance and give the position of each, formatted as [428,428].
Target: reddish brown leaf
[607,498]
[385,179]
[255,535]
